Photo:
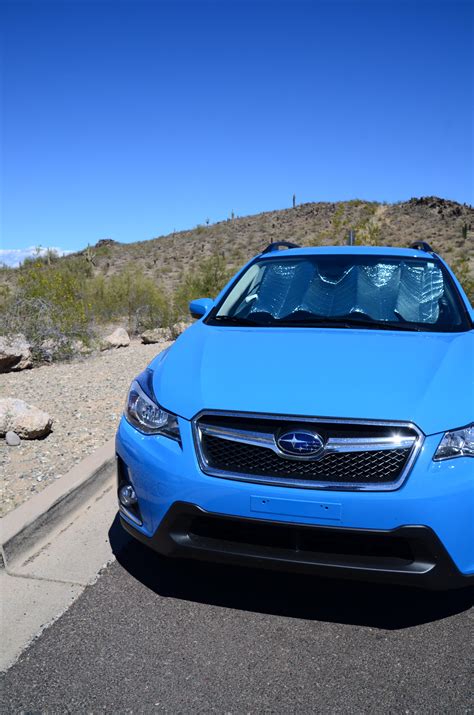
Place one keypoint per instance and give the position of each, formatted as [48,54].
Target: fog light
[127,496]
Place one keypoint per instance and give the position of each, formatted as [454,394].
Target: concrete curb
[31,522]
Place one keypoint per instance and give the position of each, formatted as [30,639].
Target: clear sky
[129,119]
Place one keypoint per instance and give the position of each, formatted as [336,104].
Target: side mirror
[200,307]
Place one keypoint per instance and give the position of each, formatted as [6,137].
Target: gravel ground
[85,398]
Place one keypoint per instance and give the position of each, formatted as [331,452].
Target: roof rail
[422,246]
[275,246]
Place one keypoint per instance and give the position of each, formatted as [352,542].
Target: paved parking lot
[152,636]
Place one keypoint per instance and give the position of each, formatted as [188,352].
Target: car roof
[351,250]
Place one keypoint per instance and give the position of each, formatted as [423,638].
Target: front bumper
[411,555]
[430,519]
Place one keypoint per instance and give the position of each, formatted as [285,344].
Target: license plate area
[320,510]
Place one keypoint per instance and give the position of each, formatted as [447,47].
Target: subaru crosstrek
[317,417]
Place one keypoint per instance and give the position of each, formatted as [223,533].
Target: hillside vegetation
[446,225]
[55,301]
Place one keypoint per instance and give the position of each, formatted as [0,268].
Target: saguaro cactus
[89,255]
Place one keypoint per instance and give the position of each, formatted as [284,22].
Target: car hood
[425,378]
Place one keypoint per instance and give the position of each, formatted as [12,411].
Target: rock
[105,242]
[79,347]
[15,353]
[49,348]
[25,420]
[157,335]
[179,328]
[118,339]
[12,439]
[161,335]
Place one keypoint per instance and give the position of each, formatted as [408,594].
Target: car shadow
[282,593]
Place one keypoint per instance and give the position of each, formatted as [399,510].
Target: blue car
[317,417]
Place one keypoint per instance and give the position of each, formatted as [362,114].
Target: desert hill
[57,303]
[447,225]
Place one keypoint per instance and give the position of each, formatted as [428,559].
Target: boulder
[179,328]
[25,420]
[156,335]
[53,348]
[105,242]
[118,339]
[12,439]
[15,353]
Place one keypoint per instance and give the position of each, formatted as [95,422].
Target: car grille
[383,466]
[224,450]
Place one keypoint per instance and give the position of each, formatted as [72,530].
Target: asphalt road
[152,636]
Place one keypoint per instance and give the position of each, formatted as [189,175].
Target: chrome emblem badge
[299,443]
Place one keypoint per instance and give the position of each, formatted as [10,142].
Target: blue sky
[131,119]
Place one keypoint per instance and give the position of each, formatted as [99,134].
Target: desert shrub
[48,308]
[128,294]
[367,233]
[55,305]
[465,276]
[50,337]
[338,219]
[42,257]
[203,281]
[5,294]
[61,289]
[103,251]
[76,265]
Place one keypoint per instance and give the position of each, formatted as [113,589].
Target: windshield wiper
[346,321]
[234,320]
[378,325]
[311,322]
[354,321]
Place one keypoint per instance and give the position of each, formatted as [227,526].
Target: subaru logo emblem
[299,443]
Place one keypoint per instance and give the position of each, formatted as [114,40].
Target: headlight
[457,443]
[143,412]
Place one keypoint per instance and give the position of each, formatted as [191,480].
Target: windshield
[382,292]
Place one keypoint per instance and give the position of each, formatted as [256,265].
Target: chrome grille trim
[333,445]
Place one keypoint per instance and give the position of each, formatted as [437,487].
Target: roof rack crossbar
[422,246]
[275,246]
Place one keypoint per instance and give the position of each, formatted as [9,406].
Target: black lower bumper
[411,555]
